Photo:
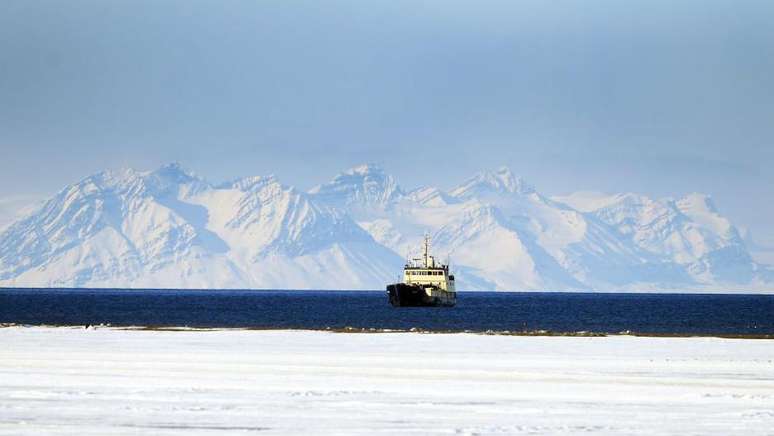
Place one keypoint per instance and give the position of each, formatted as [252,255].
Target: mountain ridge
[171,228]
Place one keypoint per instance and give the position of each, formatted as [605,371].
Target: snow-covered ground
[106,381]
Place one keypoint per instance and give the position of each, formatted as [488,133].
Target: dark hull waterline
[405,295]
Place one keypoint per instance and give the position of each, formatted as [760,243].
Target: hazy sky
[658,97]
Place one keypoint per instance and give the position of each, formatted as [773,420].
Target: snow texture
[95,382]
[171,229]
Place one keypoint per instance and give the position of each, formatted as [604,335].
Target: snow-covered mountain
[365,186]
[687,236]
[170,228]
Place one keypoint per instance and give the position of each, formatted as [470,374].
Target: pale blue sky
[659,97]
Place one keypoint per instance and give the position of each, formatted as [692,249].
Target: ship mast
[427,243]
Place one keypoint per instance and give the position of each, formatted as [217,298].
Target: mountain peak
[174,165]
[500,181]
[365,184]
[504,170]
[512,183]
[174,172]
[697,201]
[365,169]
[172,178]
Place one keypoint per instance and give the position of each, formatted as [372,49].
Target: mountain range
[169,228]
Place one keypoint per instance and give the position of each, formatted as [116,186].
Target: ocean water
[669,314]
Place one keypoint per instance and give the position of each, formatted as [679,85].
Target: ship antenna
[427,242]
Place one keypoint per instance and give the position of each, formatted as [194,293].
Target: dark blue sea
[529,312]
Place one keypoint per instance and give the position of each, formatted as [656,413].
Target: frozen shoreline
[119,381]
[364,330]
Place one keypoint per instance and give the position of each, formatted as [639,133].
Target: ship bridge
[426,272]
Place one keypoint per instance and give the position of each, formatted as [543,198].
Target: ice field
[109,381]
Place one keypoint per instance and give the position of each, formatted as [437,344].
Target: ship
[426,283]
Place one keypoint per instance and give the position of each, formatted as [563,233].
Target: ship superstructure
[425,283]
